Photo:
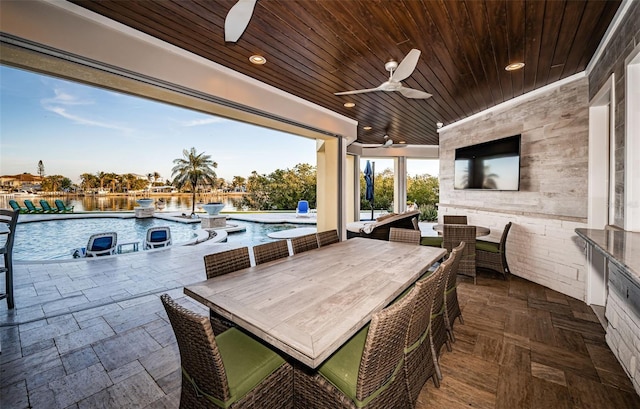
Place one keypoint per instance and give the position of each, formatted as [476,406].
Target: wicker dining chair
[230,370]
[454,219]
[217,264]
[404,235]
[438,333]
[366,371]
[274,250]
[328,237]
[304,243]
[494,255]
[452,236]
[451,305]
[419,364]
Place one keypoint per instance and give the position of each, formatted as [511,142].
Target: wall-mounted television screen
[493,165]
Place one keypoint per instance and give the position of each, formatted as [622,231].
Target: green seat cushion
[246,361]
[488,246]
[432,241]
[341,369]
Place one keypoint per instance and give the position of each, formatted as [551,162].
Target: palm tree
[193,169]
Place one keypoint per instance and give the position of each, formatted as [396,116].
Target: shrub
[428,212]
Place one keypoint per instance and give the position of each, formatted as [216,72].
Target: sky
[74,128]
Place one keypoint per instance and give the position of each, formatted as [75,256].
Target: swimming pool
[56,239]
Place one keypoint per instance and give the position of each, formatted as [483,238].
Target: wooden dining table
[309,304]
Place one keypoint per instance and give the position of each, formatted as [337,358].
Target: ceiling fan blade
[414,93]
[407,65]
[238,19]
[358,91]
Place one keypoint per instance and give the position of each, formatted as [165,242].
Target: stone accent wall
[623,41]
[552,201]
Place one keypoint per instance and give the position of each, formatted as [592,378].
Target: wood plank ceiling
[316,48]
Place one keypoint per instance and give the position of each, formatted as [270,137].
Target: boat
[24,193]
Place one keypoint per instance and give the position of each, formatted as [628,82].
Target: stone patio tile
[162,362]
[121,373]
[20,368]
[38,346]
[170,401]
[55,327]
[76,285]
[98,293]
[117,351]
[171,382]
[14,396]
[151,298]
[161,331]
[88,314]
[138,391]
[73,388]
[65,304]
[79,359]
[83,337]
[38,379]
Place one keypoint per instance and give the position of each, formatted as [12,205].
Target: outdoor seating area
[45,207]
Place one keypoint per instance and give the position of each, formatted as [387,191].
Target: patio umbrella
[368,178]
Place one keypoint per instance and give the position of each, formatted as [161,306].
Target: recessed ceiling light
[402,142]
[257,59]
[367,128]
[439,125]
[349,104]
[514,66]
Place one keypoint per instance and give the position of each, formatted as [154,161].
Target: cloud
[203,121]
[61,99]
[84,121]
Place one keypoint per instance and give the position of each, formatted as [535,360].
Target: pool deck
[93,333]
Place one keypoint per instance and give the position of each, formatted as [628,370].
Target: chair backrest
[45,206]
[10,217]
[14,205]
[328,237]
[158,237]
[274,250]
[61,206]
[29,204]
[454,219]
[414,221]
[304,243]
[503,239]
[303,206]
[452,236]
[421,315]
[384,347]
[455,256]
[404,235]
[224,262]
[102,244]
[200,357]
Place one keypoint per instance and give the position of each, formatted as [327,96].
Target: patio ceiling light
[257,59]
[367,128]
[349,104]
[514,66]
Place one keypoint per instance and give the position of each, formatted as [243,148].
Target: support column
[331,185]
[400,184]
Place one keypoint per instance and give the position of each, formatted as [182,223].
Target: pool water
[56,239]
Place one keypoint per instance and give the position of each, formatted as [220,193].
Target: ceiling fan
[397,73]
[238,19]
[388,143]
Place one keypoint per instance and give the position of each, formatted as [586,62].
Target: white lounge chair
[157,237]
[102,244]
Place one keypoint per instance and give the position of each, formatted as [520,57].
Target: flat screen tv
[493,165]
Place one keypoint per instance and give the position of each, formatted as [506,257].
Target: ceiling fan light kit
[397,73]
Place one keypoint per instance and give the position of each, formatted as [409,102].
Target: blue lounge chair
[157,237]
[102,244]
[303,209]
[46,207]
[31,207]
[16,207]
[61,206]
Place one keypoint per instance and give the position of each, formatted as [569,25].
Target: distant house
[22,181]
